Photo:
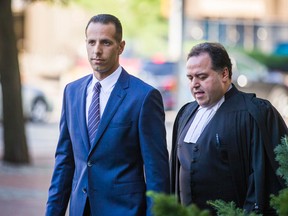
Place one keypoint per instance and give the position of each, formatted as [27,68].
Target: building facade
[252,24]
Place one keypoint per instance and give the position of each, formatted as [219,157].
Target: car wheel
[39,110]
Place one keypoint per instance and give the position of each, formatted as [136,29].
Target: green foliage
[280,202]
[165,205]
[228,209]
[281,152]
[273,62]
[145,29]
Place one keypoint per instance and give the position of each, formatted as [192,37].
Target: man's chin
[202,103]
[100,70]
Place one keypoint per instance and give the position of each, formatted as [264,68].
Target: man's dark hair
[106,19]
[218,54]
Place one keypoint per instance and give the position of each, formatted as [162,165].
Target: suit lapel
[115,99]
[81,111]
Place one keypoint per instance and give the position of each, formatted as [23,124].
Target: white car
[35,104]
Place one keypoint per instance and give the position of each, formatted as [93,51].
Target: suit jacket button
[193,160]
[89,164]
[84,190]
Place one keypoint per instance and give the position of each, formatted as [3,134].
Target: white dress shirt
[107,85]
[202,118]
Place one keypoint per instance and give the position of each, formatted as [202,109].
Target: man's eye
[106,43]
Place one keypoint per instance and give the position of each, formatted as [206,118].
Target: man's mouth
[97,60]
[198,93]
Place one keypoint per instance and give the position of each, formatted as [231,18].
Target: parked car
[35,104]
[163,76]
[251,76]
[281,49]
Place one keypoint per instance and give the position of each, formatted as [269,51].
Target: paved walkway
[23,189]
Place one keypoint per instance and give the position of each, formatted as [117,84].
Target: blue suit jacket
[131,138]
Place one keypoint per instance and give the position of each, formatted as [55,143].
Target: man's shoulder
[243,100]
[189,105]
[80,80]
[187,108]
[252,100]
[72,87]
[137,82]
[263,111]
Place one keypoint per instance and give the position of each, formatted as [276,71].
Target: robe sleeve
[270,128]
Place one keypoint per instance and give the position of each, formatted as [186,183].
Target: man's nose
[97,48]
[194,83]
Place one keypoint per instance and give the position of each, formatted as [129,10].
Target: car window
[250,68]
[160,69]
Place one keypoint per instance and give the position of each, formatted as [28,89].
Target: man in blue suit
[109,174]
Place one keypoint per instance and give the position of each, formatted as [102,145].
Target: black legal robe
[245,130]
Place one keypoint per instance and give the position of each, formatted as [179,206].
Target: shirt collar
[108,82]
[216,106]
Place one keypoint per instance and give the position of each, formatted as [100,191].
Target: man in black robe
[223,142]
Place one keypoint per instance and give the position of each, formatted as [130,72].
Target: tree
[15,144]
[144,25]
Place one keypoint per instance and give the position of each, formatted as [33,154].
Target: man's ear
[225,74]
[121,47]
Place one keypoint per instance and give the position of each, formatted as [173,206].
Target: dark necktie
[94,113]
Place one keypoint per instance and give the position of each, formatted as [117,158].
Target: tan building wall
[277,10]
[269,10]
[54,36]
[46,23]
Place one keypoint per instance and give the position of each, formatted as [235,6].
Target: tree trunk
[15,145]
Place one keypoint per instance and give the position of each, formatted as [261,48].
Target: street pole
[176,27]
[176,41]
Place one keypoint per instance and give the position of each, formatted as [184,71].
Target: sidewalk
[23,189]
